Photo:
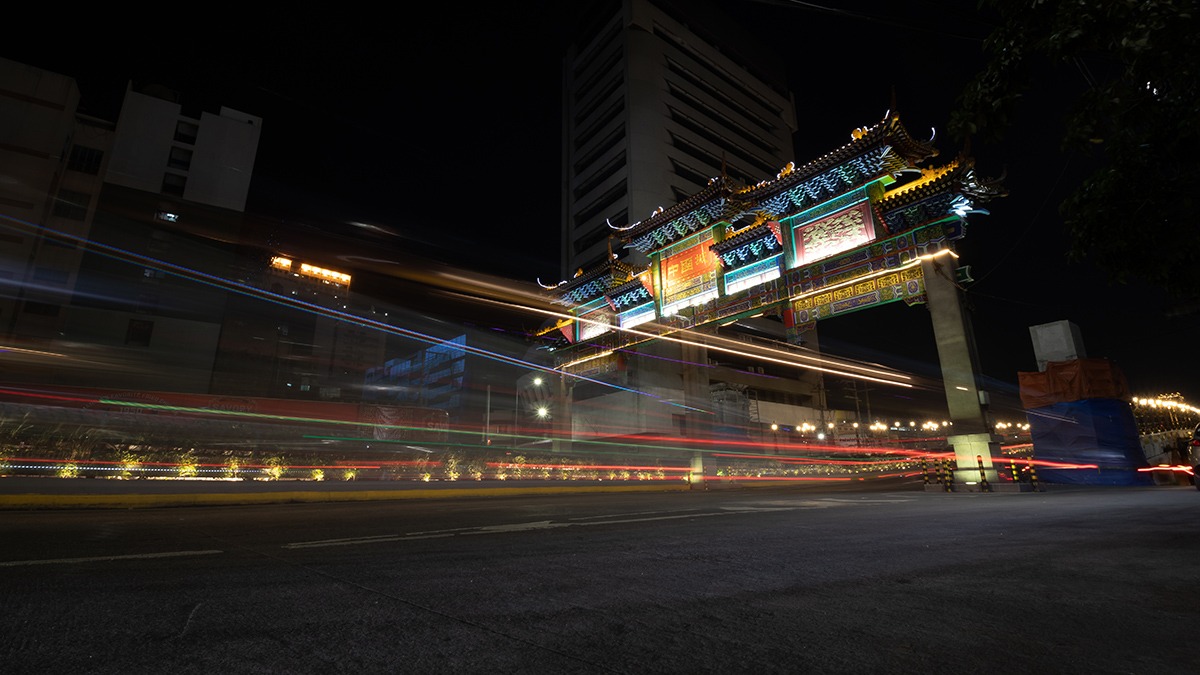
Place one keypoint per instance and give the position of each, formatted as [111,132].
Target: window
[50,275]
[137,334]
[147,303]
[601,203]
[180,158]
[186,132]
[173,184]
[71,204]
[85,159]
[41,308]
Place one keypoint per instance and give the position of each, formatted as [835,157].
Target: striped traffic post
[1033,481]
[983,482]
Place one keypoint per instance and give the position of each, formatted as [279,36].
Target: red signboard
[689,272]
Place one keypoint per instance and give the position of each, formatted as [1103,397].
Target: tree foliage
[1135,215]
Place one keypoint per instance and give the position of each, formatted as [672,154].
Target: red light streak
[822,479]
[1178,468]
[132,465]
[508,465]
[812,460]
[55,397]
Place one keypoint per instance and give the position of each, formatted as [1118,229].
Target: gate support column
[562,428]
[698,427]
[698,477]
[956,352]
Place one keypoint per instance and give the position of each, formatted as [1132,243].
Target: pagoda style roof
[748,246]
[747,235]
[594,283]
[939,191]
[883,149]
[933,181]
[632,293]
[664,226]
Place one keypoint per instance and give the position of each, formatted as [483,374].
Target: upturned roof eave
[717,189]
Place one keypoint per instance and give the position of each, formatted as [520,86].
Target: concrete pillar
[696,392]
[972,436]
[696,478]
[562,429]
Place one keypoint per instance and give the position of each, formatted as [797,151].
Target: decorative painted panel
[833,234]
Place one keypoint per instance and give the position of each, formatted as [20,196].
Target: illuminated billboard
[689,272]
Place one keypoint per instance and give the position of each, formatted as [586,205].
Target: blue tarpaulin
[1094,431]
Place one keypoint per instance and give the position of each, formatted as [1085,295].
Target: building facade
[658,98]
[127,260]
[52,160]
[661,98]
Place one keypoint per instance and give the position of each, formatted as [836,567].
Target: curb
[135,501]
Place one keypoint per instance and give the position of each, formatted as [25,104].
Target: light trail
[617,467]
[708,342]
[123,255]
[32,352]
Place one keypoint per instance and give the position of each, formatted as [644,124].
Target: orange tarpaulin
[1076,380]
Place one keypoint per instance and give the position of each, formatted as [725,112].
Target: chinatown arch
[870,223]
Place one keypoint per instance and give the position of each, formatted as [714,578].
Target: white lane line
[104,558]
[495,529]
[865,500]
[645,520]
[633,513]
[352,540]
[363,540]
[588,521]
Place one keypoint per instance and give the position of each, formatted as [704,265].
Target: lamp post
[487,417]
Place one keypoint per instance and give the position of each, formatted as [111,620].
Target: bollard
[925,470]
[1033,481]
[983,483]
[949,482]
[1012,466]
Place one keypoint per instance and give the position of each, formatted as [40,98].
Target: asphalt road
[791,580]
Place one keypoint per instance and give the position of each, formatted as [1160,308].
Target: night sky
[443,127]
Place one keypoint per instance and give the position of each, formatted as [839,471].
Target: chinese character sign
[689,272]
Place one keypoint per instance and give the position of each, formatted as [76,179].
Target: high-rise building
[124,246]
[660,96]
[158,149]
[51,162]
[173,191]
